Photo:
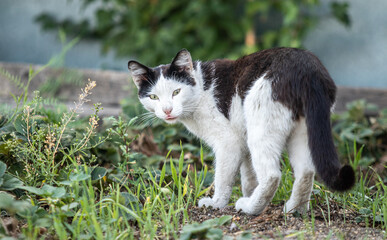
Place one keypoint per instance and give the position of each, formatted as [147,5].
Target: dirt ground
[273,224]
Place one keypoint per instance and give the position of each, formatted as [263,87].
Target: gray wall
[22,40]
[356,56]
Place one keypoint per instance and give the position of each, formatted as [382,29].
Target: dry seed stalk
[66,120]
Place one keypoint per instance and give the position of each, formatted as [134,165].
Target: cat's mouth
[170,118]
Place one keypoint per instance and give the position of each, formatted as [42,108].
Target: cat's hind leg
[269,124]
[248,178]
[301,161]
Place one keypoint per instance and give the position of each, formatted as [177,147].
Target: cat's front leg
[227,163]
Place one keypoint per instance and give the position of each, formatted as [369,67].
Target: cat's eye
[153,97]
[177,91]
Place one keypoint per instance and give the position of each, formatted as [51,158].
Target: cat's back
[279,64]
[291,73]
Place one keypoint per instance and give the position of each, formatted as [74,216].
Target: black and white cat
[249,110]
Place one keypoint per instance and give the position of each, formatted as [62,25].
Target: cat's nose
[167,110]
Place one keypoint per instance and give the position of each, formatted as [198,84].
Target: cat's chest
[209,124]
[206,123]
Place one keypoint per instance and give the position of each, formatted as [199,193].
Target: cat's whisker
[146,114]
[147,119]
[190,110]
[144,118]
[194,108]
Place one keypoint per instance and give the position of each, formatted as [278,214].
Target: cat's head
[169,91]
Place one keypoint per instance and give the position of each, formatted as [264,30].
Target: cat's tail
[320,140]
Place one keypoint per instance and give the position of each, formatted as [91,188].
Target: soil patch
[274,224]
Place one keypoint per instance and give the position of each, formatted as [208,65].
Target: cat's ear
[183,61]
[138,71]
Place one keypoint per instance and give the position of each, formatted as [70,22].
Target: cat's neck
[207,113]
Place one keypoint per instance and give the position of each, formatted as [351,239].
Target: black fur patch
[208,70]
[173,72]
[223,80]
[345,180]
[149,80]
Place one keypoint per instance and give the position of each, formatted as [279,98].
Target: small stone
[233,227]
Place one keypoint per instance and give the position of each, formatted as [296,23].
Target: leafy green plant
[7,181]
[12,207]
[121,130]
[205,230]
[42,147]
[232,29]
[362,127]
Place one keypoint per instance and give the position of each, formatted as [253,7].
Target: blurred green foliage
[154,30]
[363,124]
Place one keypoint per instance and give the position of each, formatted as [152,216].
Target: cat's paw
[209,202]
[291,207]
[206,202]
[245,205]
